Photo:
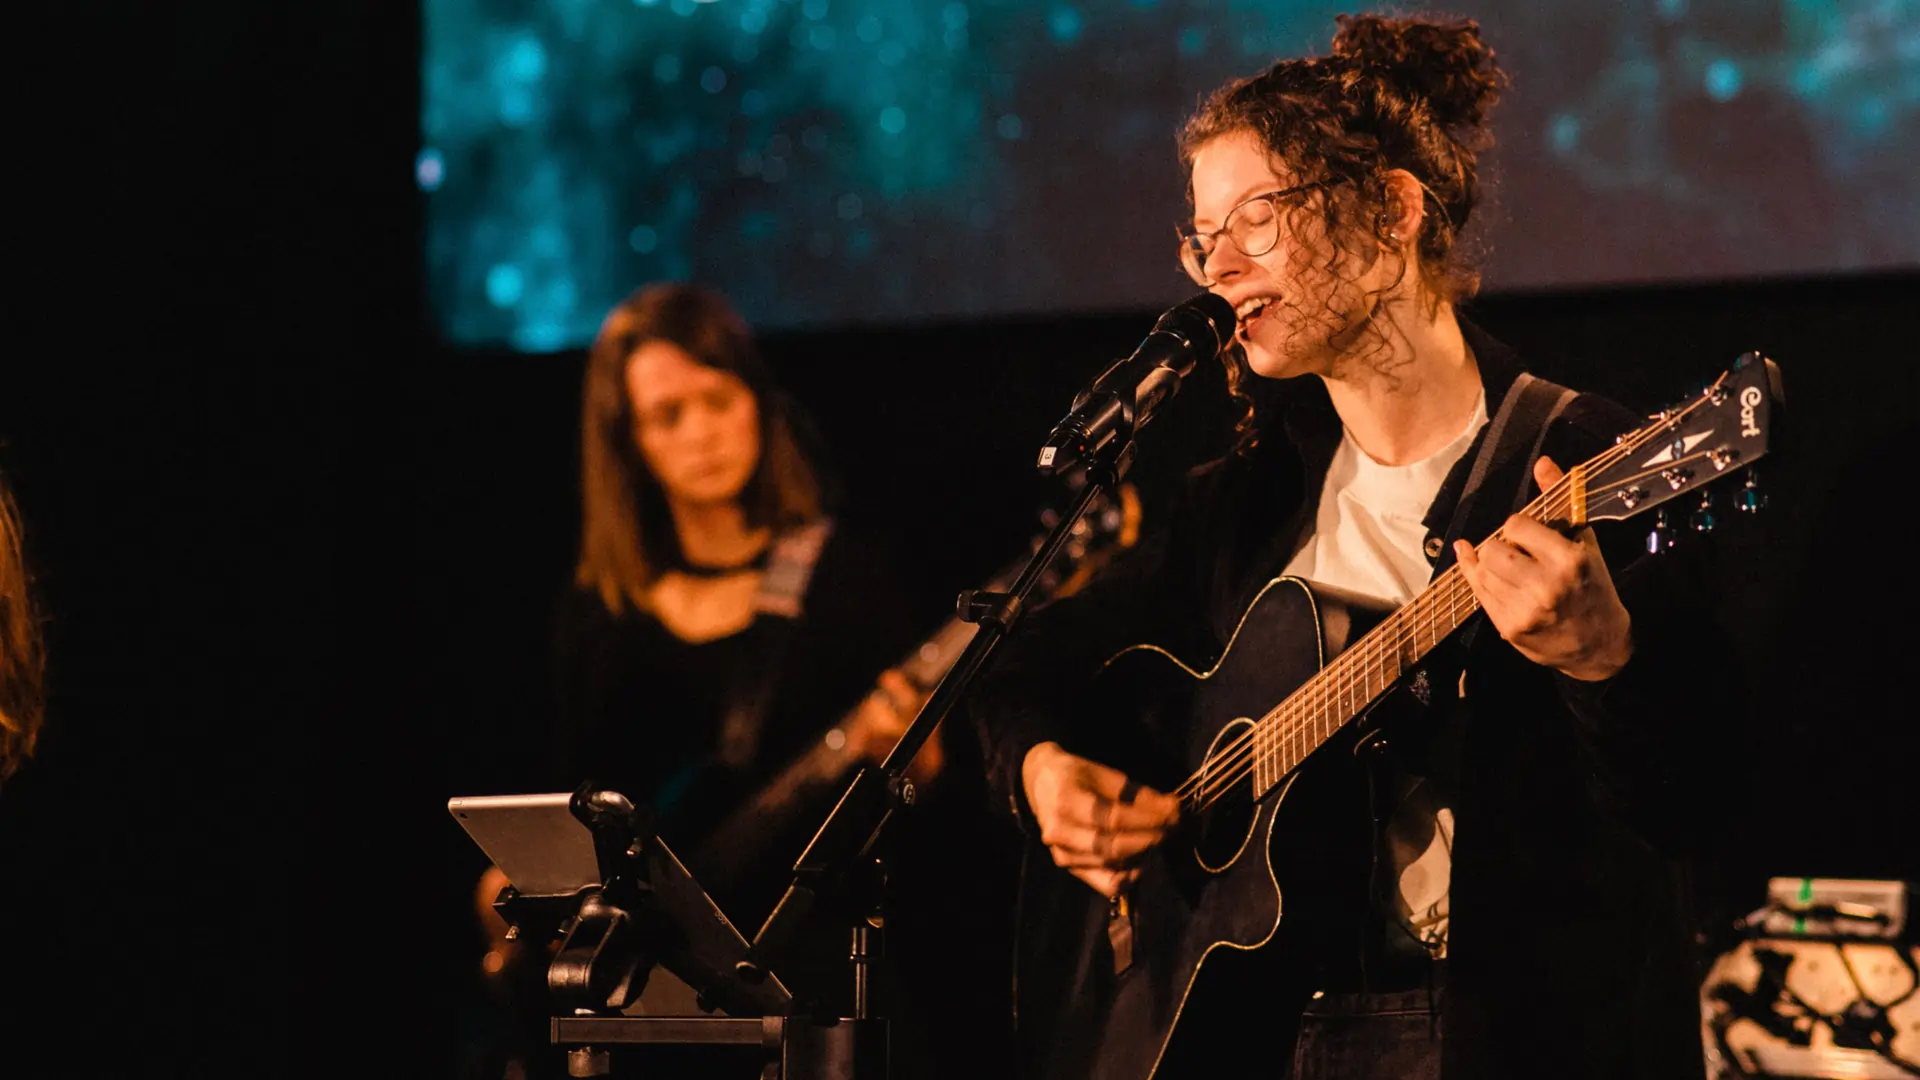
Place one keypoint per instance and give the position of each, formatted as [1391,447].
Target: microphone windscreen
[1205,319]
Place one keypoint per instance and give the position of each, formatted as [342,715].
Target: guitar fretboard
[1338,692]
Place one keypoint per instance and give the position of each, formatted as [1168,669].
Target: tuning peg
[1661,537]
[1703,520]
[1751,499]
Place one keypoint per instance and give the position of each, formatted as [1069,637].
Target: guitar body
[1222,909]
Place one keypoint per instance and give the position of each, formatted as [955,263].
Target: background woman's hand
[1550,596]
[1094,820]
[883,717]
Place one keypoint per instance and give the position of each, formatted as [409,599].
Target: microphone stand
[843,861]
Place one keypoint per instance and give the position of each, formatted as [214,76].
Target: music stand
[586,868]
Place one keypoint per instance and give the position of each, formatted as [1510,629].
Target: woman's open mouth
[1250,312]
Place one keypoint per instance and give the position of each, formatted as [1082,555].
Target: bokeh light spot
[893,120]
[713,80]
[1009,126]
[516,106]
[505,285]
[643,239]
[429,169]
[527,60]
[1723,80]
[1564,133]
[543,336]
[1065,24]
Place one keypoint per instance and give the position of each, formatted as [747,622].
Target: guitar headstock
[1722,430]
[1110,526]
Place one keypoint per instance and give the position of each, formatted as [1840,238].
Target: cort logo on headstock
[1750,399]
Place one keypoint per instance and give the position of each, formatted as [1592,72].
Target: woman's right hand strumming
[1094,820]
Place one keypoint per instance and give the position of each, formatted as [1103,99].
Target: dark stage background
[298,557]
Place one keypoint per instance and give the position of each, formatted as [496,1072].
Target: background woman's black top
[639,710]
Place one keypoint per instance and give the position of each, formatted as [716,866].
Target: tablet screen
[534,839]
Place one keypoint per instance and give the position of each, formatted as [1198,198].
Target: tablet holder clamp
[612,935]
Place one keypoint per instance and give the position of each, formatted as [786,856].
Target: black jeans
[1372,1036]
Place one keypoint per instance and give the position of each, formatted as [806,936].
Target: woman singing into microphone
[1517,908]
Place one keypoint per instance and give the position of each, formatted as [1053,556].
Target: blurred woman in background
[722,627]
[722,654]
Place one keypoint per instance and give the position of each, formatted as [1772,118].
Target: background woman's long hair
[626,531]
[22,659]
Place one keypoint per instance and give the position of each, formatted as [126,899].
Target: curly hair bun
[1444,63]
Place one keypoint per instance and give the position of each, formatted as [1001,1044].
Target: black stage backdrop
[298,559]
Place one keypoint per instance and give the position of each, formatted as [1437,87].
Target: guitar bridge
[1120,932]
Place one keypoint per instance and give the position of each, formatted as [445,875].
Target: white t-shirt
[1368,538]
[1368,535]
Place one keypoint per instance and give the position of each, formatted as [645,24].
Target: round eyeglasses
[1253,226]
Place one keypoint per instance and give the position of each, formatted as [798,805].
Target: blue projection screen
[862,161]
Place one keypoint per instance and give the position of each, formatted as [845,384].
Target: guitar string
[1220,774]
[1335,681]
[1327,684]
[1548,503]
[1340,687]
[1295,736]
[1340,681]
[1348,683]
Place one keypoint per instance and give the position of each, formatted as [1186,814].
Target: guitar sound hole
[1223,829]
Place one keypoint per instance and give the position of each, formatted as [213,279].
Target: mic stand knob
[981,606]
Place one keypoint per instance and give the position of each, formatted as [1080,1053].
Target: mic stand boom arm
[841,860]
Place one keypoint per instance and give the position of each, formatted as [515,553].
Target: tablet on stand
[586,868]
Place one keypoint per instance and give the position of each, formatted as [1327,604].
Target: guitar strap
[777,608]
[1531,406]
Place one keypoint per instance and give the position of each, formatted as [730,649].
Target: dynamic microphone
[1119,402]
